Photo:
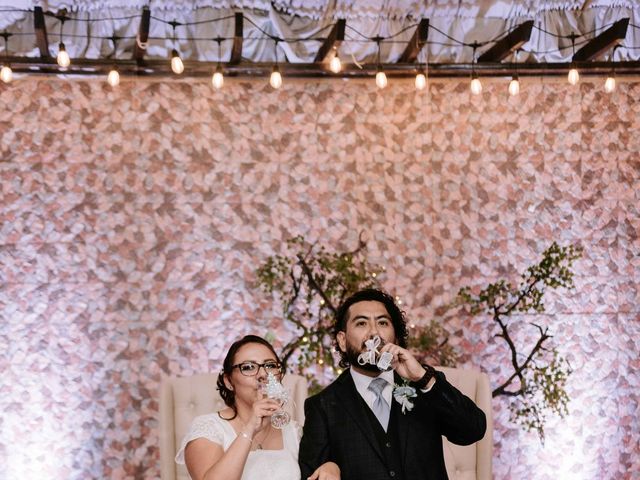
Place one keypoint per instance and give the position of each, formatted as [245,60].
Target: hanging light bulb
[335,65]
[476,86]
[610,84]
[113,78]
[381,78]
[176,62]
[276,79]
[217,79]
[63,57]
[573,77]
[6,74]
[421,81]
[514,86]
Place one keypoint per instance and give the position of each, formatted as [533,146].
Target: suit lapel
[401,421]
[353,403]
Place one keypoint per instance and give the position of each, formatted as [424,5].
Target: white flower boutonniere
[403,395]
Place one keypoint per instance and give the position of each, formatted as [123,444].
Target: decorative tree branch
[541,375]
[310,283]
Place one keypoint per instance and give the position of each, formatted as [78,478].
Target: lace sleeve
[204,426]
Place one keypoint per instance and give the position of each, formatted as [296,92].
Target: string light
[421,81]
[573,77]
[335,65]
[610,82]
[113,78]
[514,84]
[6,74]
[176,62]
[276,78]
[476,85]
[217,79]
[381,77]
[63,58]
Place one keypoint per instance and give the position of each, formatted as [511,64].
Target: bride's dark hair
[228,395]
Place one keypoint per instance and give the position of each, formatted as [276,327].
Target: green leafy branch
[539,376]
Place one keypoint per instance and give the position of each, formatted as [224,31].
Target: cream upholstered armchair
[471,462]
[184,398]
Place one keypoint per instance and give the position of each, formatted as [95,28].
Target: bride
[239,442]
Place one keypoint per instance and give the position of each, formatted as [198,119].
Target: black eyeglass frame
[259,365]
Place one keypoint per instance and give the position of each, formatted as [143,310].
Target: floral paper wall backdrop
[132,222]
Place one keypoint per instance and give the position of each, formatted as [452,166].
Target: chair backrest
[184,398]
[471,462]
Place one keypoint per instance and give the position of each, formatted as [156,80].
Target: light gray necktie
[380,406]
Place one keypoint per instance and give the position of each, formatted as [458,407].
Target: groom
[355,429]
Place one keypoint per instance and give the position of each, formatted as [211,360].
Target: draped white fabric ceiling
[463,20]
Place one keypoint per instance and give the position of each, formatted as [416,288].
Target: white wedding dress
[261,464]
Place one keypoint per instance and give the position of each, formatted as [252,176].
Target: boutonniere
[403,395]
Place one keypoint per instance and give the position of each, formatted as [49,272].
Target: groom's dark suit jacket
[340,427]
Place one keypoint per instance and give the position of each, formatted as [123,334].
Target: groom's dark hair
[370,294]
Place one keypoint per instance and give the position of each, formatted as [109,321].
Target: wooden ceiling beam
[335,38]
[608,39]
[40,28]
[418,40]
[140,47]
[512,42]
[238,39]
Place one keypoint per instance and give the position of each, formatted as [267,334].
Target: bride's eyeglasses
[250,369]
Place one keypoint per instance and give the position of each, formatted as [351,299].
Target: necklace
[259,444]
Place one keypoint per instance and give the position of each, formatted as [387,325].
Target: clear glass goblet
[274,389]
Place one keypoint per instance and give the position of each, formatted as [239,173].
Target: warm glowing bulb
[514,87]
[113,78]
[421,81]
[381,79]
[176,62]
[610,84]
[276,79]
[217,80]
[573,77]
[63,57]
[476,86]
[335,65]
[6,74]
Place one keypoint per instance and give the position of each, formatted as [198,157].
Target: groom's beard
[352,355]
